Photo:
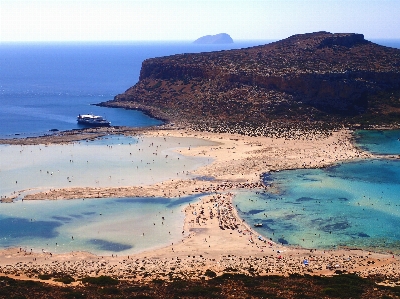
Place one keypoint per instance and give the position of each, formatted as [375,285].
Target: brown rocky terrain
[228,285]
[309,77]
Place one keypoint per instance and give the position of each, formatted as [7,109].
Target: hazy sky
[68,20]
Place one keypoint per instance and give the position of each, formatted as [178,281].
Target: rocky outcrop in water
[221,38]
[306,77]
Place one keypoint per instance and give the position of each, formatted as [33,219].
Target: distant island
[221,38]
[336,78]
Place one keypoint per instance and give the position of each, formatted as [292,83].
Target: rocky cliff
[307,77]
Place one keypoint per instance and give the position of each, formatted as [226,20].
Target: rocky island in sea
[334,78]
[221,38]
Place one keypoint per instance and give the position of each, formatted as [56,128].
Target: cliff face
[302,77]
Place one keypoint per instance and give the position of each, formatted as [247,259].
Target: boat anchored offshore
[92,120]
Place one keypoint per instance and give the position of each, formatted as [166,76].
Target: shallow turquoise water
[354,204]
[108,162]
[385,142]
[101,226]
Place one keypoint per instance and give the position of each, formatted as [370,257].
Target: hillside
[308,78]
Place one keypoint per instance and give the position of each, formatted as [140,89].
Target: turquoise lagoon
[108,162]
[353,204]
[101,226]
[386,142]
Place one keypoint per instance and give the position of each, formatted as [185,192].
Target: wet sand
[218,240]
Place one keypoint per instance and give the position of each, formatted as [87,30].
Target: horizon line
[124,41]
[157,41]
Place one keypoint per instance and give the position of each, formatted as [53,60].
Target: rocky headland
[309,78]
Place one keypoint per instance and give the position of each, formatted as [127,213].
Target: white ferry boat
[92,120]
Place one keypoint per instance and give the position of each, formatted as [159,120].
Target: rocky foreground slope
[308,77]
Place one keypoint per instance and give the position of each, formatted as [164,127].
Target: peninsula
[306,78]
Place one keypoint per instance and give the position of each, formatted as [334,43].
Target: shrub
[110,291]
[344,286]
[65,279]
[259,293]
[137,288]
[74,295]
[44,276]
[101,280]
[210,273]
[158,281]
[200,291]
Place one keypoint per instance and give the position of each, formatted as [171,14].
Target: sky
[152,20]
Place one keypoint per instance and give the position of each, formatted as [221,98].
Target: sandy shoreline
[218,240]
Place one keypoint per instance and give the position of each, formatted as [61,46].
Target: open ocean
[45,86]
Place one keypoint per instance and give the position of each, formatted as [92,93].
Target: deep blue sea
[44,86]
